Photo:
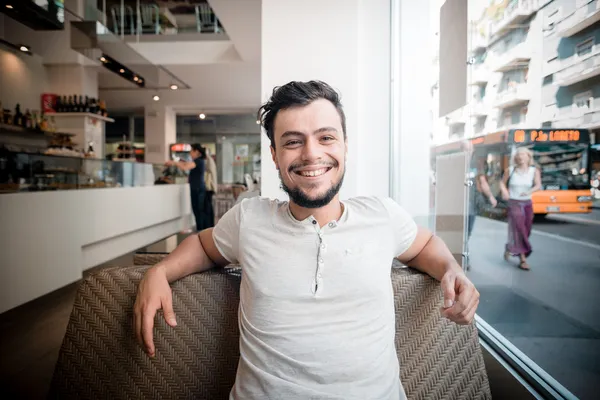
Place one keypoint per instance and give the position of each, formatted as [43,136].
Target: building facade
[533,64]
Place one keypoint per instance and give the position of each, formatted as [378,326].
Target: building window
[583,101]
[585,47]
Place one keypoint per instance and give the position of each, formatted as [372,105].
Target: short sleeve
[403,226]
[226,233]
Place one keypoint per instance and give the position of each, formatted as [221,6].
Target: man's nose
[311,150]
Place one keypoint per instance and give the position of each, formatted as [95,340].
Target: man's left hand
[460,297]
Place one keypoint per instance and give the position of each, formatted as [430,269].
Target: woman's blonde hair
[526,151]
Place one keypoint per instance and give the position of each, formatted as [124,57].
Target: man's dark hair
[297,94]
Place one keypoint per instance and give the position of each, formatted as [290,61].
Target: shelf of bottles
[27,122]
[74,105]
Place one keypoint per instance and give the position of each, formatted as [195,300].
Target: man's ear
[274,158]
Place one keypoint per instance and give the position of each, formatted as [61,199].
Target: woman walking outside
[519,182]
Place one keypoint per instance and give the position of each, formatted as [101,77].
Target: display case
[29,172]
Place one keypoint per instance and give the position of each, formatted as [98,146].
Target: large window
[550,313]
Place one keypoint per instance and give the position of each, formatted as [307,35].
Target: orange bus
[562,156]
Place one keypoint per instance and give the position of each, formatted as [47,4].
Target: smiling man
[316,311]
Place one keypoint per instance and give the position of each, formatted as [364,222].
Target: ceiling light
[9,6]
[174,87]
[135,78]
[202,116]
[103,59]
[156,98]
[24,49]
[257,122]
[122,71]
[140,80]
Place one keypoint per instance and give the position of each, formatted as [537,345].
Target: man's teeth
[313,173]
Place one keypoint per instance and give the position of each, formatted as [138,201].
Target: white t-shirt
[316,311]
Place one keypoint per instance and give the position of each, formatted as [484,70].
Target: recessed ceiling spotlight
[9,6]
[174,87]
[202,116]
[122,71]
[103,59]
[24,49]
[135,78]
[156,98]
[257,122]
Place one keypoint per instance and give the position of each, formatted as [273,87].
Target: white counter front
[47,239]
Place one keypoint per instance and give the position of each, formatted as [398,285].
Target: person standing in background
[518,184]
[210,179]
[196,168]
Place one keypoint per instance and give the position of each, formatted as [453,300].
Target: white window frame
[585,97]
[585,42]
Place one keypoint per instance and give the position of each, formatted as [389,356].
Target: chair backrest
[150,17]
[99,357]
[123,20]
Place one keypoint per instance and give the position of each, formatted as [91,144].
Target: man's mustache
[296,166]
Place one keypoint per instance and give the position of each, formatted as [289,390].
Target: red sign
[181,147]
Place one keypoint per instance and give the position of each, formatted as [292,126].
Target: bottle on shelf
[18,117]
[69,105]
[65,104]
[52,125]
[87,104]
[1,113]
[44,123]
[58,104]
[81,104]
[27,120]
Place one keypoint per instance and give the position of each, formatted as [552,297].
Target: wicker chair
[100,358]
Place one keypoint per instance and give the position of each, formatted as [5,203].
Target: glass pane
[533,82]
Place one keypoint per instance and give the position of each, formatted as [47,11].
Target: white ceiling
[223,75]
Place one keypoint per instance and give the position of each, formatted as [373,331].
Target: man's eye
[328,138]
[293,143]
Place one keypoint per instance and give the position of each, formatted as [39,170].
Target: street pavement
[584,227]
[551,313]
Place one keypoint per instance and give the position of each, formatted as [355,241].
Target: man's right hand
[153,294]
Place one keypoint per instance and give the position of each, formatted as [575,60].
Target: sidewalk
[551,312]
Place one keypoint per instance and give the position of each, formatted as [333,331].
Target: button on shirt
[316,311]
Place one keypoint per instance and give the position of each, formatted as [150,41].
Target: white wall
[48,239]
[22,80]
[345,45]
[412,119]
[160,132]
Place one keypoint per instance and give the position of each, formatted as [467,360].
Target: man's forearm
[188,258]
[435,259]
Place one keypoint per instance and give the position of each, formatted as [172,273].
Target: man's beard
[302,200]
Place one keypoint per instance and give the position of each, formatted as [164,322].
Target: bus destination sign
[548,135]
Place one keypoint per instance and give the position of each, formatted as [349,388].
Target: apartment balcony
[578,68]
[513,14]
[479,109]
[520,93]
[457,117]
[582,18]
[480,74]
[513,58]
[572,117]
[479,42]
